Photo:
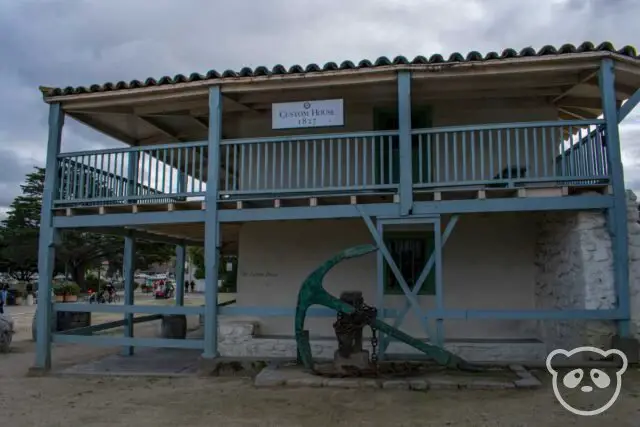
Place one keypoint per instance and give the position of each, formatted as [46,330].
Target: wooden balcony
[482,161]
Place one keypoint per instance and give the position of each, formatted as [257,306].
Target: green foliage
[71,288]
[77,251]
[229,278]
[92,282]
[20,229]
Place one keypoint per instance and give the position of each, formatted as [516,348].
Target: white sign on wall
[307,114]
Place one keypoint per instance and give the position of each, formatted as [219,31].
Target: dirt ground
[110,401]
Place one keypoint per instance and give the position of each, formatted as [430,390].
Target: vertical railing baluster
[562,151]
[81,179]
[364,160]
[518,156]
[143,155]
[381,152]
[290,177]
[464,155]
[420,180]
[297,164]
[429,160]
[390,158]
[149,155]
[250,180]
[373,160]
[472,144]
[340,183]
[315,163]
[306,144]
[282,163]
[227,177]
[101,181]
[331,168]
[509,164]
[446,157]
[482,165]
[438,160]
[201,167]
[500,168]
[274,148]
[356,167]
[348,146]
[171,159]
[526,151]
[591,170]
[322,182]
[185,174]
[258,165]
[545,159]
[243,178]
[67,183]
[455,156]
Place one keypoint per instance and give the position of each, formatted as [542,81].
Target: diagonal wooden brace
[396,272]
[421,279]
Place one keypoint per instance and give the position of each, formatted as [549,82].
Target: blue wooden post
[47,241]
[212,229]
[404,129]
[617,215]
[380,290]
[180,259]
[128,274]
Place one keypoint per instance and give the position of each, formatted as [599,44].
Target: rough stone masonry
[575,270]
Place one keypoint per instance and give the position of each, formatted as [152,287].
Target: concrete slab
[145,362]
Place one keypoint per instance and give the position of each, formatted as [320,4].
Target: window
[411,252]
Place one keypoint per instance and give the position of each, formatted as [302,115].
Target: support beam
[404,129]
[47,241]
[396,272]
[425,273]
[181,252]
[617,214]
[212,226]
[128,275]
[628,106]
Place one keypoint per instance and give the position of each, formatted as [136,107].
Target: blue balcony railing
[497,155]
[309,164]
[509,155]
[155,174]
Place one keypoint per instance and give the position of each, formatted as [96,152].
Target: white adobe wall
[575,270]
[487,264]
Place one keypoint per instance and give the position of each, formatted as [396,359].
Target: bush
[58,289]
[71,288]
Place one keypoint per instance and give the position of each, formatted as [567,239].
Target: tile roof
[474,56]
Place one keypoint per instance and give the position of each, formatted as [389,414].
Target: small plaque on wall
[307,114]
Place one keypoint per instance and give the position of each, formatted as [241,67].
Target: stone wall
[575,270]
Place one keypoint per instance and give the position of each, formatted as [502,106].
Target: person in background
[4,293]
[193,285]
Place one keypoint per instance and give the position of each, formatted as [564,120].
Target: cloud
[76,42]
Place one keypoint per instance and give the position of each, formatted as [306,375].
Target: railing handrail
[319,136]
[134,149]
[507,126]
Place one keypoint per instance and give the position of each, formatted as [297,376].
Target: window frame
[429,286]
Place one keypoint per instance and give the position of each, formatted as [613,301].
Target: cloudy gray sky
[76,42]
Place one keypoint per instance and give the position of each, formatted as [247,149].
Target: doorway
[386,118]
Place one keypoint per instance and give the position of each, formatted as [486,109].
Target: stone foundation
[242,339]
[575,271]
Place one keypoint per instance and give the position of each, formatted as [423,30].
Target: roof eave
[338,77]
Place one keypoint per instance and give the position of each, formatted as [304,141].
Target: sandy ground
[110,401]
